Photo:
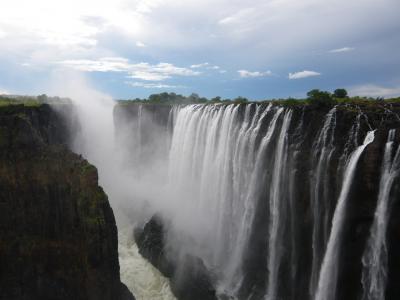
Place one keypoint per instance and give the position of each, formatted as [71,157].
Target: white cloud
[143,71]
[303,74]
[105,64]
[140,44]
[249,74]
[153,85]
[238,17]
[199,65]
[205,65]
[340,50]
[372,90]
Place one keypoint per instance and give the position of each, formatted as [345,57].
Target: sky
[259,49]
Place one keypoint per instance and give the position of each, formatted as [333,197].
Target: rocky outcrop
[58,236]
[190,280]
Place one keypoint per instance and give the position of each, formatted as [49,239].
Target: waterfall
[275,209]
[375,259]
[216,162]
[324,148]
[236,187]
[328,275]
[248,195]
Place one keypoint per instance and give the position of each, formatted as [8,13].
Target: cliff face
[58,237]
[309,188]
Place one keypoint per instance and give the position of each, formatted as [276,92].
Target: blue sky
[256,48]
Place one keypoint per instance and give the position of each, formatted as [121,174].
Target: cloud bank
[143,71]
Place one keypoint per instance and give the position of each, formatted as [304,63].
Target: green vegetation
[6,100]
[27,101]
[289,101]
[172,98]
[340,93]
[315,97]
[88,168]
[320,98]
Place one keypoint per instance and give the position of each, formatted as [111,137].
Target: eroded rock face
[190,280]
[58,237]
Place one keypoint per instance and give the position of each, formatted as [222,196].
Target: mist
[132,176]
[176,168]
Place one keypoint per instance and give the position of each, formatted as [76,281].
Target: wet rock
[190,280]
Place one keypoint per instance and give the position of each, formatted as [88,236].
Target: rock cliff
[58,236]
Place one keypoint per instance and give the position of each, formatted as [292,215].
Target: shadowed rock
[58,237]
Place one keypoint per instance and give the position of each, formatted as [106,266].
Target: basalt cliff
[58,236]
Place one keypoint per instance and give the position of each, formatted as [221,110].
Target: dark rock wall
[58,237]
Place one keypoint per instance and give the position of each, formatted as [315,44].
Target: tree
[240,99]
[155,98]
[42,98]
[194,96]
[340,93]
[320,98]
[216,99]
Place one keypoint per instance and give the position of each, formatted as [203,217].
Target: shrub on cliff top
[320,98]
[340,93]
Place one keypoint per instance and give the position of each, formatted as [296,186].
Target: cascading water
[213,161]
[324,148]
[275,209]
[245,150]
[228,162]
[329,269]
[144,280]
[375,259]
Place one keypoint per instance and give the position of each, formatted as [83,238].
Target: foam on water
[141,278]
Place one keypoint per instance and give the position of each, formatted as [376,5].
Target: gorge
[239,201]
